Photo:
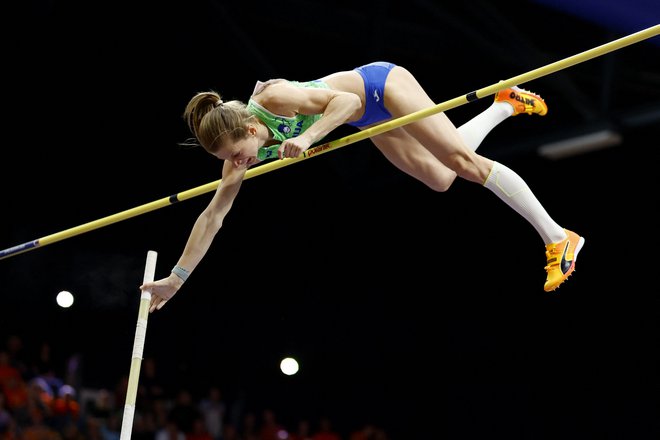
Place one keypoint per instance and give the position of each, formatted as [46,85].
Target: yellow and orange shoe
[522,101]
[561,259]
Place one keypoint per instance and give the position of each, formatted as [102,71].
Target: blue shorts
[374,76]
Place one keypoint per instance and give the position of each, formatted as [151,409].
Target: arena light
[581,144]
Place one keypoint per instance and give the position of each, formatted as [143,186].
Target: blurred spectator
[6,419]
[144,426]
[170,432]
[10,432]
[38,429]
[303,431]
[213,410]
[13,387]
[65,407]
[248,429]
[366,432]
[270,428]
[73,371]
[41,396]
[16,354]
[7,370]
[71,431]
[184,412]
[120,391]
[230,432]
[93,428]
[161,409]
[325,431]
[111,429]
[199,431]
[45,365]
[102,406]
[150,385]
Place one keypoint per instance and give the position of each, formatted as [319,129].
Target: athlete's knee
[440,181]
[471,167]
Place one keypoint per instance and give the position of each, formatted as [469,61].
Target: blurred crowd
[42,400]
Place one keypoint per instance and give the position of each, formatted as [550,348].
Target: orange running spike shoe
[522,101]
[561,259]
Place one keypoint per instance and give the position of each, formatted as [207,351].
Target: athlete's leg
[405,96]
[475,130]
[438,134]
[410,156]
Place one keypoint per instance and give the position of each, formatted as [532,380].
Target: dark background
[423,312]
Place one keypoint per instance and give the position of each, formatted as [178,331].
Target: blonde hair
[213,121]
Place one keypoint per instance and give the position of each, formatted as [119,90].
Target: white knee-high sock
[475,130]
[511,188]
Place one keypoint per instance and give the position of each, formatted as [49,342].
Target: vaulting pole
[138,349]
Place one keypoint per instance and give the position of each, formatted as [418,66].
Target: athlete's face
[242,152]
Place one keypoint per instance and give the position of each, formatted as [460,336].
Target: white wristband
[180,272]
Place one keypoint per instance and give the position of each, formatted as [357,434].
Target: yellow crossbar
[347,140]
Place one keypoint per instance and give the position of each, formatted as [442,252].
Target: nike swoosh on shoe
[566,264]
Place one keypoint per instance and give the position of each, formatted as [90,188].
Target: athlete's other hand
[162,291]
[293,147]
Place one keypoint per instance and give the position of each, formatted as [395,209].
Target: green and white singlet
[283,127]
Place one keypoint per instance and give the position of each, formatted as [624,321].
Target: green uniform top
[284,127]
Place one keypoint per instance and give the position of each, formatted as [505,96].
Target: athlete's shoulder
[263,85]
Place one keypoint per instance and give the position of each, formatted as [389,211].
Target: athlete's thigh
[404,96]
